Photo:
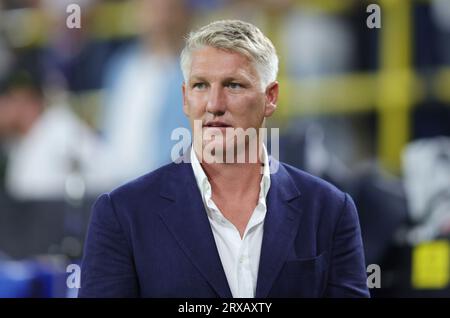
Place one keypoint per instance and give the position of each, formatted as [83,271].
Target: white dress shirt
[239,256]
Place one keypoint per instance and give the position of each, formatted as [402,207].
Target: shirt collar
[203,182]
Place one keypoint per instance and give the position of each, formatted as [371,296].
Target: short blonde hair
[234,36]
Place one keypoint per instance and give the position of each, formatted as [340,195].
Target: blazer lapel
[280,228]
[188,222]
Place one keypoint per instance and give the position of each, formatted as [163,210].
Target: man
[212,229]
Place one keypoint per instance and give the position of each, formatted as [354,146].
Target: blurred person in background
[45,142]
[20,106]
[73,58]
[142,90]
[5,61]
[318,44]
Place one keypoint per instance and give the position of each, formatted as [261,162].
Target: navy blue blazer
[152,238]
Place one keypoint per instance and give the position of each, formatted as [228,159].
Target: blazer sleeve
[107,268]
[347,271]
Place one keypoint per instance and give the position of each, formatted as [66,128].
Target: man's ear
[185,105]
[271,99]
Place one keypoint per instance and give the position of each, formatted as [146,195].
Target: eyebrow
[225,80]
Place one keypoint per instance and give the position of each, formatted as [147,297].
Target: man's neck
[233,178]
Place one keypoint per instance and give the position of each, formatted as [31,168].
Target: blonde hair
[234,36]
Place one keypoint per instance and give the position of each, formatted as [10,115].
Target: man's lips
[217,124]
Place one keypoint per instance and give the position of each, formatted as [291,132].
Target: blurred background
[82,110]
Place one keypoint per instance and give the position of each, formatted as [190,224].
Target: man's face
[224,90]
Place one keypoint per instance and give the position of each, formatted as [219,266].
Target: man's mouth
[216,124]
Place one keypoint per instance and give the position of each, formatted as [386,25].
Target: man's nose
[216,101]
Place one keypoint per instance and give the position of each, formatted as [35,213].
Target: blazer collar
[188,222]
[280,228]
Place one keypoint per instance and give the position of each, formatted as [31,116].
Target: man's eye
[199,85]
[233,85]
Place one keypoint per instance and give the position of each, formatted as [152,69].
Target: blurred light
[75,187]
[71,246]
[441,12]
[17,28]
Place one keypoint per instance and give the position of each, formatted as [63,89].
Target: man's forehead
[207,49]
[209,61]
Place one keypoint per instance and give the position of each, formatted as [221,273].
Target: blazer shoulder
[314,187]
[148,185]
[323,201]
